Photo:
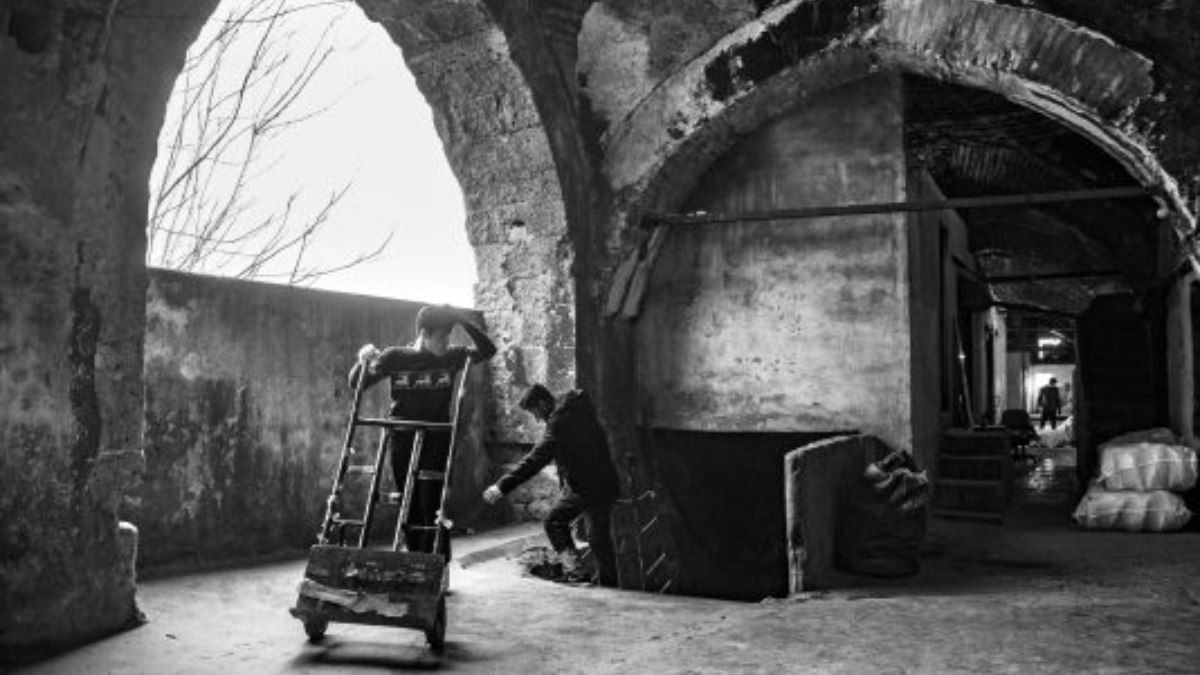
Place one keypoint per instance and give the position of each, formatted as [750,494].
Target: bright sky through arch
[378,134]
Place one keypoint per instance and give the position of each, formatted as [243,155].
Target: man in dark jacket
[422,377]
[576,443]
[1049,403]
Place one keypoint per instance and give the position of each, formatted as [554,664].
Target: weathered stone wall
[516,222]
[81,100]
[657,123]
[557,169]
[246,411]
[85,85]
[795,325]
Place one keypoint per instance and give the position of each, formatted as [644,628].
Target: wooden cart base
[381,588]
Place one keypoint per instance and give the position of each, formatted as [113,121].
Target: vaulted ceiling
[977,143]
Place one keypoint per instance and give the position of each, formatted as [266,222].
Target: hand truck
[352,583]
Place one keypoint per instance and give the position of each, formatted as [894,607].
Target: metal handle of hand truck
[406,425]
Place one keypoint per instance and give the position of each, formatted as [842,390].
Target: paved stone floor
[1031,596]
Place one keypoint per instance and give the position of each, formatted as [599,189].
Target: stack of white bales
[1140,474]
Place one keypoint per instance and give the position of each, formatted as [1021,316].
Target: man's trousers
[558,528]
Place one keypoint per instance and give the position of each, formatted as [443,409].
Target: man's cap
[534,395]
[434,318]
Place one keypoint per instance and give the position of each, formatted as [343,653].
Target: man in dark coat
[1049,403]
[576,443]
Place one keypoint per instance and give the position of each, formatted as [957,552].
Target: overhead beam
[1047,276]
[1028,308]
[957,203]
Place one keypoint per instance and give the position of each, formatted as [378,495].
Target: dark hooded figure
[576,443]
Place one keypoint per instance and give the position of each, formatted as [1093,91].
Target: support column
[1181,386]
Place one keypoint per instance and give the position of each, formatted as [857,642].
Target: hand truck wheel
[315,629]
[436,636]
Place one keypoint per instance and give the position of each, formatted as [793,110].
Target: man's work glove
[492,494]
[367,353]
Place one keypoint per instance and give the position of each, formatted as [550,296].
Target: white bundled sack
[1157,435]
[1157,511]
[1147,465]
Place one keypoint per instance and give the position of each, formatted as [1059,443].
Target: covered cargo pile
[1141,474]
[883,519]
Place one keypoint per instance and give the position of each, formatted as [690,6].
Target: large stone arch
[499,150]
[666,119]
[798,49]
[90,81]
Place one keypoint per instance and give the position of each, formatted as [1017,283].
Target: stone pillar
[84,95]
[1181,397]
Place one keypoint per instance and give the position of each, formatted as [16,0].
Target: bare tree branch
[242,88]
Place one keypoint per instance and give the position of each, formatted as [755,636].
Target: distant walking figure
[1050,403]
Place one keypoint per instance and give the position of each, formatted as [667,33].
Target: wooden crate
[378,587]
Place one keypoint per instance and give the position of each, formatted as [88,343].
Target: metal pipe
[899,207]
[1047,276]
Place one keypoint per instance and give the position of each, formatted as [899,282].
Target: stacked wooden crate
[974,474]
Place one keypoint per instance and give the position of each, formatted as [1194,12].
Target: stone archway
[86,84]
[664,134]
[495,141]
[662,137]
[799,49]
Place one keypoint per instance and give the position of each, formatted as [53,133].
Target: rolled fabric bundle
[1157,435]
[1146,466]
[1154,511]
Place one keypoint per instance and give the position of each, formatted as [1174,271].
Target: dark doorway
[1117,375]
[724,494]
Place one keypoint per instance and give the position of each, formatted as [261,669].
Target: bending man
[576,443]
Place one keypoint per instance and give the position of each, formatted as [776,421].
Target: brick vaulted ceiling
[975,143]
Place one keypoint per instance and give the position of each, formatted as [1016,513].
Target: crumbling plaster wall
[81,100]
[246,410]
[790,326]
